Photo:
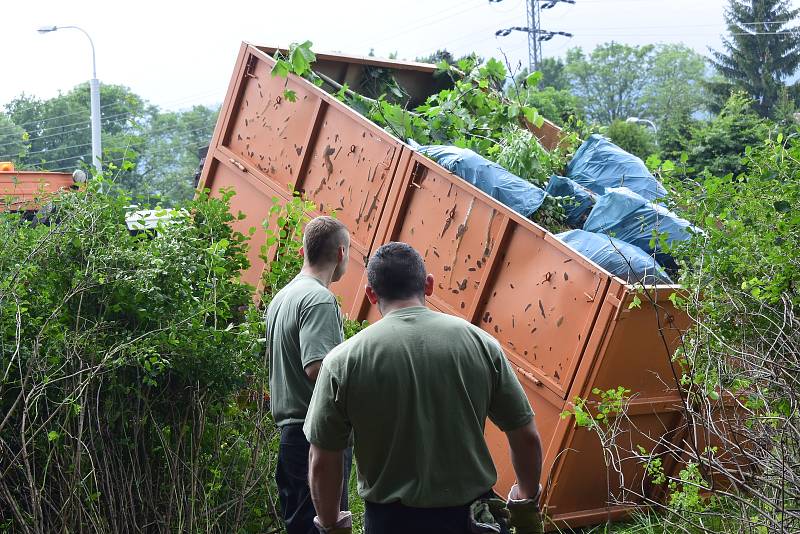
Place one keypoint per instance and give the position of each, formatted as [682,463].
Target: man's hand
[344,525]
[485,516]
[525,515]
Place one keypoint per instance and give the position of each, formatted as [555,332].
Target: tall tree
[13,140]
[674,94]
[762,50]
[58,130]
[718,145]
[553,74]
[610,81]
[170,158]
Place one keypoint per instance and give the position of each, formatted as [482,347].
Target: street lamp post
[94,90]
[645,121]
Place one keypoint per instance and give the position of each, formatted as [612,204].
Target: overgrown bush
[739,365]
[742,361]
[633,138]
[125,365]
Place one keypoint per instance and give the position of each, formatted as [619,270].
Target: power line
[431,19]
[146,132]
[12,128]
[79,126]
[536,34]
[120,159]
[140,144]
[483,29]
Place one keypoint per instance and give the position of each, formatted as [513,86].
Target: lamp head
[47,29]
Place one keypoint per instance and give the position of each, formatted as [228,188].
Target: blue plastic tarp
[576,208]
[630,217]
[599,164]
[621,259]
[516,193]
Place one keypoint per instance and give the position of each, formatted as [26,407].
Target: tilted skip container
[566,324]
[25,190]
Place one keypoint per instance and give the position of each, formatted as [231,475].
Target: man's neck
[388,307]
[324,273]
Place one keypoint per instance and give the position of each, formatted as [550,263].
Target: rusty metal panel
[265,130]
[253,199]
[315,145]
[350,289]
[541,305]
[576,499]
[538,297]
[632,346]
[350,169]
[454,228]
[20,190]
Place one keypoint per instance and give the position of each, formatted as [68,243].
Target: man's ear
[371,295]
[302,252]
[340,254]
[429,285]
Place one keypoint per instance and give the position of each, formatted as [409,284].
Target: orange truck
[25,190]
[567,325]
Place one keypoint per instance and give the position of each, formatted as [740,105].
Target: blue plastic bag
[582,201]
[630,217]
[621,259]
[516,193]
[599,164]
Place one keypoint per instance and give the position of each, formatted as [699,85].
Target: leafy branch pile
[474,113]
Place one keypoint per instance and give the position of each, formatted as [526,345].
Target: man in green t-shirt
[303,324]
[415,390]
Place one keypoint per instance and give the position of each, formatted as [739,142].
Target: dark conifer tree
[761,50]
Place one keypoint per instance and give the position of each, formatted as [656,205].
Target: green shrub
[125,365]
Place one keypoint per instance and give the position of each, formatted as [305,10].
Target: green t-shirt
[416,388]
[303,325]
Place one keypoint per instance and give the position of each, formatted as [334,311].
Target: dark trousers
[292,479]
[396,518]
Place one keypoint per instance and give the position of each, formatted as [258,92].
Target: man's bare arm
[325,473]
[526,457]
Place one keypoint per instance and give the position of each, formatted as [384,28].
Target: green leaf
[300,64]
[635,303]
[53,435]
[495,69]
[782,206]
[301,57]
[281,68]
[290,95]
[533,79]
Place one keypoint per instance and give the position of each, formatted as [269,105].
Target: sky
[176,53]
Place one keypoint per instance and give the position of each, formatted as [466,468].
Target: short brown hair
[322,238]
[396,271]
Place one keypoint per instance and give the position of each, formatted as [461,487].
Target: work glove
[486,515]
[344,525]
[525,515]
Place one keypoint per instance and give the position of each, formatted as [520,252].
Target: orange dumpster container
[23,190]
[565,324]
